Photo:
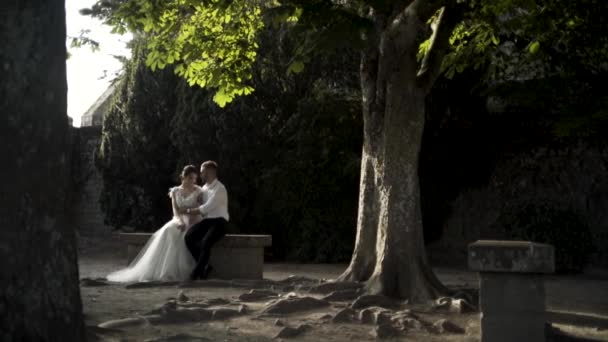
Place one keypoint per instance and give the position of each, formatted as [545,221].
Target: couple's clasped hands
[186,211]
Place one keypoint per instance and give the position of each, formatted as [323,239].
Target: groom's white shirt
[215,201]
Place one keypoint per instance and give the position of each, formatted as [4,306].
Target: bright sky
[84,67]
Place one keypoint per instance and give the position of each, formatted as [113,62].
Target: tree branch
[430,69]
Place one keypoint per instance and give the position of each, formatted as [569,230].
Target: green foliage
[546,223]
[214,43]
[135,153]
[583,125]
[210,43]
[525,39]
[564,109]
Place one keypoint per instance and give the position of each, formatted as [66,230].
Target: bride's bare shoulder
[174,190]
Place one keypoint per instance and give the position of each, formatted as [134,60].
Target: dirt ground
[292,304]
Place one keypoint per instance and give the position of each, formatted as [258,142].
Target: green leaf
[495,40]
[533,48]
[221,98]
[248,90]
[295,67]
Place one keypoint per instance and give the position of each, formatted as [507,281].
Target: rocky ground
[297,302]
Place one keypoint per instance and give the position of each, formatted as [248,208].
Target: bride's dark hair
[187,171]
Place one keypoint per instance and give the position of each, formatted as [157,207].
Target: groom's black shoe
[206,272]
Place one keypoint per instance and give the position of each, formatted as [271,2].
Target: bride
[165,256]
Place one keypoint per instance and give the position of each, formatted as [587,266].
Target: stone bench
[233,257]
[511,288]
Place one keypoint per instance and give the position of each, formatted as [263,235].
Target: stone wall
[86,213]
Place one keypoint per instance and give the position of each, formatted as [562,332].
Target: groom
[203,235]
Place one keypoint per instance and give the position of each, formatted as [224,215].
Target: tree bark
[39,294]
[389,252]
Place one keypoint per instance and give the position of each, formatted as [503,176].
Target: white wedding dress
[165,256]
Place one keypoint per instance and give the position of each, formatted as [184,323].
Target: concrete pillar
[511,288]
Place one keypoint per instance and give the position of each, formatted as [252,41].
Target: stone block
[511,256]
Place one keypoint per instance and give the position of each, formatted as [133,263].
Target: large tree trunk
[389,252]
[39,294]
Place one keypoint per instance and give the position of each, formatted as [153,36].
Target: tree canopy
[214,43]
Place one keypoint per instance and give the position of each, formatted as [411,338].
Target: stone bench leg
[132,251]
[234,263]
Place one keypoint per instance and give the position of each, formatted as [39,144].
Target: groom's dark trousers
[201,237]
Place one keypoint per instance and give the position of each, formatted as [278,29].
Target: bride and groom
[180,250]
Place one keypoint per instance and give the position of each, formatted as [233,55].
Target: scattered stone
[178,338]
[335,286]
[217,301]
[171,312]
[181,297]
[289,332]
[197,305]
[183,315]
[344,316]
[366,316]
[326,317]
[294,304]
[88,282]
[302,288]
[382,318]
[168,306]
[279,323]
[257,295]
[293,279]
[473,328]
[409,323]
[445,326]
[386,331]
[404,313]
[342,295]
[406,320]
[374,315]
[123,323]
[461,306]
[470,295]
[453,305]
[224,313]
[366,301]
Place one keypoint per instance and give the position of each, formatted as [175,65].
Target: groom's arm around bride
[201,237]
